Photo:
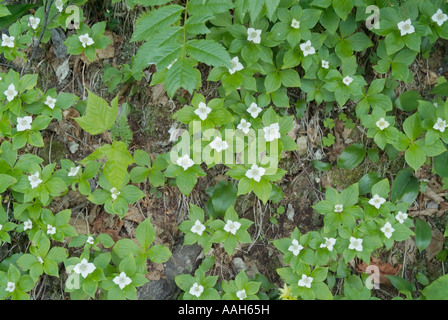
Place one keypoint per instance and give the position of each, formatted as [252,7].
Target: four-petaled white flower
[387,230]
[295,247]
[10,287]
[305,281]
[325,64]
[255,172]
[241,294]
[338,208]
[8,41]
[196,290]
[90,240]
[114,193]
[405,27]
[329,243]
[232,226]
[347,80]
[244,126]
[218,144]
[253,35]
[272,132]
[382,124]
[34,180]
[185,162]
[307,48]
[51,102]
[27,225]
[59,5]
[24,123]
[401,216]
[11,92]
[198,228]
[202,111]
[254,110]
[377,201]
[51,229]
[440,125]
[355,244]
[295,24]
[439,17]
[171,64]
[74,171]
[84,268]
[236,65]
[41,261]
[122,280]
[33,23]
[86,40]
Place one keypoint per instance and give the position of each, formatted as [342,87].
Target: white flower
[171,64]
[122,280]
[34,23]
[440,125]
[295,247]
[401,216]
[114,193]
[74,171]
[90,240]
[387,230]
[347,80]
[244,126]
[382,124]
[236,65]
[219,145]
[1,226]
[24,123]
[34,180]
[255,172]
[51,102]
[86,40]
[377,201]
[232,226]
[307,48]
[295,24]
[185,162]
[253,35]
[338,208]
[8,41]
[254,110]
[439,17]
[202,111]
[272,132]
[41,261]
[51,229]
[241,294]
[27,225]
[198,228]
[11,93]
[329,243]
[10,287]
[305,281]
[435,104]
[59,5]
[196,290]
[355,244]
[406,27]
[84,268]
[325,64]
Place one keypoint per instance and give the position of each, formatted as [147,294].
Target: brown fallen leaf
[436,244]
[427,212]
[434,196]
[385,269]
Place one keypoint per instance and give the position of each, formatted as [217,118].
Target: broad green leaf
[423,234]
[352,156]
[209,52]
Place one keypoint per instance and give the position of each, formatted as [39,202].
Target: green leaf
[182,75]
[99,116]
[404,187]
[342,8]
[415,157]
[272,82]
[352,156]
[6,181]
[408,101]
[145,234]
[412,126]
[440,164]
[159,254]
[438,290]
[124,247]
[423,234]
[209,52]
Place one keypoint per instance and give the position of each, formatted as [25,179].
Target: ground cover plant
[299,147]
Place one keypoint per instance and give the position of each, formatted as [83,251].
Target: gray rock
[184,260]
[238,265]
[58,38]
